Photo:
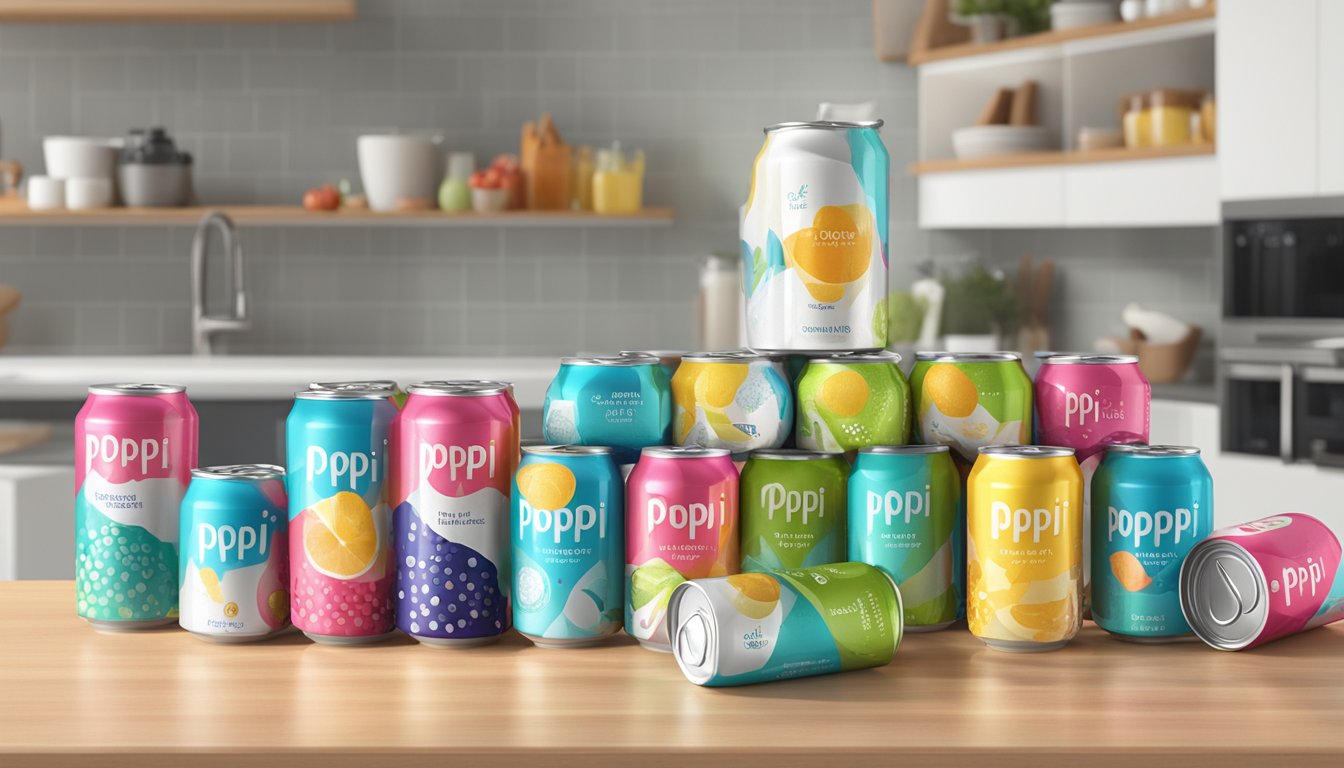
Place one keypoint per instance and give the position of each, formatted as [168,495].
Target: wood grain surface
[73,697]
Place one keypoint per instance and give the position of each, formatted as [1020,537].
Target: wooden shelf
[1059,37]
[232,11]
[1031,159]
[291,215]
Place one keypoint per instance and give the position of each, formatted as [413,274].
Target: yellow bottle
[618,182]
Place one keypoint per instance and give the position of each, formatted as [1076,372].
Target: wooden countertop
[73,697]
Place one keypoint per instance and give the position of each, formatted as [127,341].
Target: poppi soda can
[234,571]
[668,358]
[393,389]
[850,401]
[1024,581]
[970,400]
[135,447]
[904,511]
[793,509]
[759,627]
[340,543]
[1248,584]
[568,545]
[1150,505]
[735,400]
[814,238]
[455,448]
[681,518]
[621,401]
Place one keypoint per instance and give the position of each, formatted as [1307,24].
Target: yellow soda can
[1024,559]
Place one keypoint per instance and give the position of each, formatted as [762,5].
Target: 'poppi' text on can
[759,627]
[454,452]
[234,571]
[568,545]
[1024,581]
[735,400]
[135,447]
[1248,584]
[1150,506]
[620,401]
[814,238]
[681,522]
[793,509]
[904,508]
[850,401]
[340,544]
[970,400]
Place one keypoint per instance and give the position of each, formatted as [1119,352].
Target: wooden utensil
[9,300]
[998,109]
[1024,104]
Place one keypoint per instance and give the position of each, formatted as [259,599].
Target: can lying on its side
[1249,584]
[760,627]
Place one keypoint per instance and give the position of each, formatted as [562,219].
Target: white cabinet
[1330,97]
[37,522]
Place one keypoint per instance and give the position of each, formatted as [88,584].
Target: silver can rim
[567,450]
[611,361]
[936,356]
[823,125]
[254,472]
[136,390]
[793,454]
[388,385]
[906,450]
[847,358]
[1140,450]
[1087,359]
[1210,551]
[460,388]
[1027,451]
[683,452]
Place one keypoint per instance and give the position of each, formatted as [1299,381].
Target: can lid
[905,450]
[1153,451]
[881,356]
[1026,451]
[141,390]
[386,385]
[693,632]
[568,450]
[726,356]
[792,454]
[240,472]
[825,125]
[683,452]
[1223,594]
[342,394]
[460,388]
[1071,359]
[658,353]
[615,361]
[968,357]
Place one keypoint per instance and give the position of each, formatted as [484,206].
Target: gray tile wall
[269,110]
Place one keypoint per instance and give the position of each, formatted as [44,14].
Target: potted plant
[992,20]
[977,308]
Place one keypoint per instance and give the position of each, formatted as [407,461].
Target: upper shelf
[1192,21]
[1079,157]
[292,215]
[232,11]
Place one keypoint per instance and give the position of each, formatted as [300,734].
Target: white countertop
[238,377]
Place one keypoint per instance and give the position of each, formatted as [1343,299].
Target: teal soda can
[568,546]
[234,569]
[1151,504]
[904,517]
[620,401]
[759,627]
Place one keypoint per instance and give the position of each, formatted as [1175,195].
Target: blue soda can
[904,517]
[668,358]
[233,570]
[1150,505]
[340,525]
[568,546]
[621,401]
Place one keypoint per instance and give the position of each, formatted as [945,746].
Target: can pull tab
[1235,603]
[692,640]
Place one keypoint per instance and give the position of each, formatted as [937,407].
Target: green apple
[454,195]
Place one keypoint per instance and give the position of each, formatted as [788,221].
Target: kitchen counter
[72,696]
[258,377]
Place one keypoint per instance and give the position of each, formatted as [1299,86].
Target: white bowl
[69,157]
[993,140]
[394,168]
[489,200]
[1072,15]
[46,193]
[87,192]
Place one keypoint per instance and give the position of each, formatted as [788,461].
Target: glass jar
[1134,120]
[618,181]
[1170,115]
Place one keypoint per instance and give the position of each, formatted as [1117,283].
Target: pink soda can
[455,448]
[340,543]
[135,447]
[681,523]
[1087,402]
[1249,584]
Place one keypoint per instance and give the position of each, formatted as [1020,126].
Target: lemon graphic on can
[850,401]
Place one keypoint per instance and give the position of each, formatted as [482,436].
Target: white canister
[46,193]
[87,192]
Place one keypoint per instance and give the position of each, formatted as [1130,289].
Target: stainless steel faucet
[204,326]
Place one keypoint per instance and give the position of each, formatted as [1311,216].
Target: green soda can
[904,503]
[970,400]
[849,401]
[760,627]
[792,509]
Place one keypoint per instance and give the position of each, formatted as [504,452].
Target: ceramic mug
[46,193]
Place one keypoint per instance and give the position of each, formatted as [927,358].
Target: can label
[843,407]
[903,511]
[134,457]
[740,406]
[814,241]
[793,513]
[235,558]
[340,539]
[568,548]
[624,407]
[971,405]
[800,622]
